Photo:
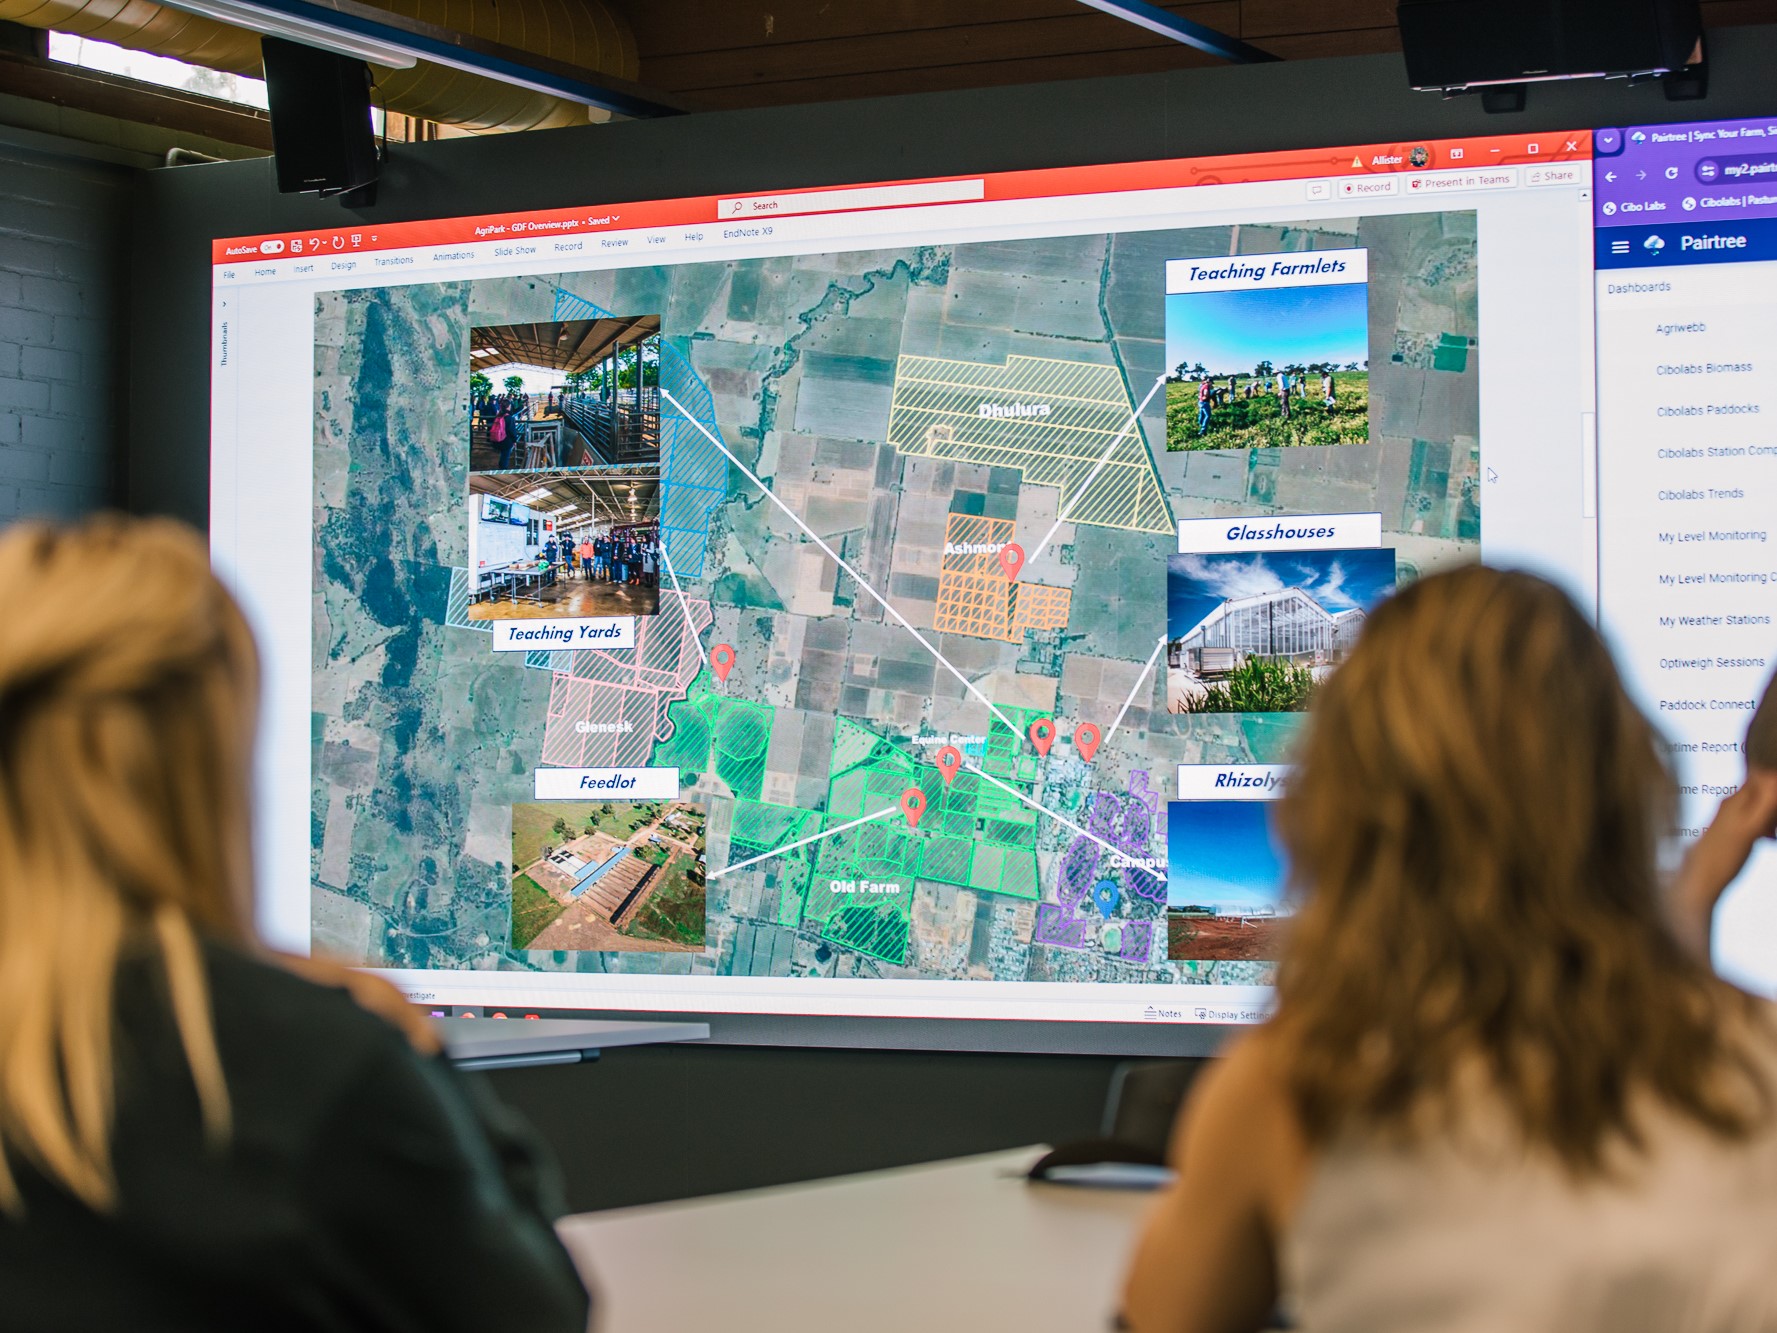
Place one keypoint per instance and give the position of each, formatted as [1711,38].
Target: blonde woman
[191,1136]
[1502,1089]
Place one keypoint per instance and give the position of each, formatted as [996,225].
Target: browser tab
[1718,169]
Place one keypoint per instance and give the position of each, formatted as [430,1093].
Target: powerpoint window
[888,600]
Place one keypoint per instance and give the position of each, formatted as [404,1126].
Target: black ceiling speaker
[320,119]
[1458,45]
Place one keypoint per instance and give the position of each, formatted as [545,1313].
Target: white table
[509,1043]
[959,1245]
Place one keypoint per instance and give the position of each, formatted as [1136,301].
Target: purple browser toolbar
[1714,170]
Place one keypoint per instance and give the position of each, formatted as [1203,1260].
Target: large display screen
[898,600]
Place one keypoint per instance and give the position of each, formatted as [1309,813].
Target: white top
[1438,1240]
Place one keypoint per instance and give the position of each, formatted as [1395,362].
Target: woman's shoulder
[1246,1079]
[295,1058]
[261,989]
[1240,1109]
[290,1036]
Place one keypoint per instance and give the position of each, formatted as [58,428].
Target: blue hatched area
[456,608]
[456,615]
[693,471]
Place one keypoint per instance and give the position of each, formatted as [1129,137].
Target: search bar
[842,201]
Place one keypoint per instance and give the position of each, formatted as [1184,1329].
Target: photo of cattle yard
[617,876]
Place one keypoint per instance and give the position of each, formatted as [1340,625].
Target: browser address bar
[841,201]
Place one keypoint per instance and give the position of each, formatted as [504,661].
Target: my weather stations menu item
[1687,473]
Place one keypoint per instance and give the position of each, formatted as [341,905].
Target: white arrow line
[1092,476]
[690,624]
[1134,690]
[803,842]
[834,556]
[1042,809]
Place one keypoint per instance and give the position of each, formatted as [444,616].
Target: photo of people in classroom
[564,544]
[573,393]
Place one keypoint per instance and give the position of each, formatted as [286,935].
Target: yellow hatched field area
[1052,420]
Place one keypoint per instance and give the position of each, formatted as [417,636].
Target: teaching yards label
[529,636]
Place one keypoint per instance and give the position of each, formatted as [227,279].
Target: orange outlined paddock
[974,595]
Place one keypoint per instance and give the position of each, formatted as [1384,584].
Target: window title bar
[952,191]
[1720,171]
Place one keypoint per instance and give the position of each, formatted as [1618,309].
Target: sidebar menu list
[1686,253]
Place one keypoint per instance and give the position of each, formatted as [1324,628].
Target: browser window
[1687,275]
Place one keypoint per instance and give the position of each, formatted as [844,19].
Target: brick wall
[63,223]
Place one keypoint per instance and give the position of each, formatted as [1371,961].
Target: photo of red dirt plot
[1225,882]
[613,876]
[1212,938]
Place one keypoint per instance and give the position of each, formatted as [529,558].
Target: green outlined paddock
[759,828]
[1009,756]
[714,733]
[853,880]
[861,892]
[972,835]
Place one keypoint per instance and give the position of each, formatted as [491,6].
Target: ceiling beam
[1197,35]
[395,41]
[133,102]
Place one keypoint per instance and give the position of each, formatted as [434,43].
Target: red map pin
[913,805]
[722,660]
[1011,559]
[1042,734]
[1086,741]
[949,760]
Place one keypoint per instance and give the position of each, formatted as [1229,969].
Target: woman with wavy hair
[1501,1088]
[193,1136]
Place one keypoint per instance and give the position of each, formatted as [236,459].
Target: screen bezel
[1185,113]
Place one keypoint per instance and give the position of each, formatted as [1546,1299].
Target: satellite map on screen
[922,502]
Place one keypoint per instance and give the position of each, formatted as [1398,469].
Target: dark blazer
[364,1186]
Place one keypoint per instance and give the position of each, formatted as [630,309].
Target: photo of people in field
[1268,366]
